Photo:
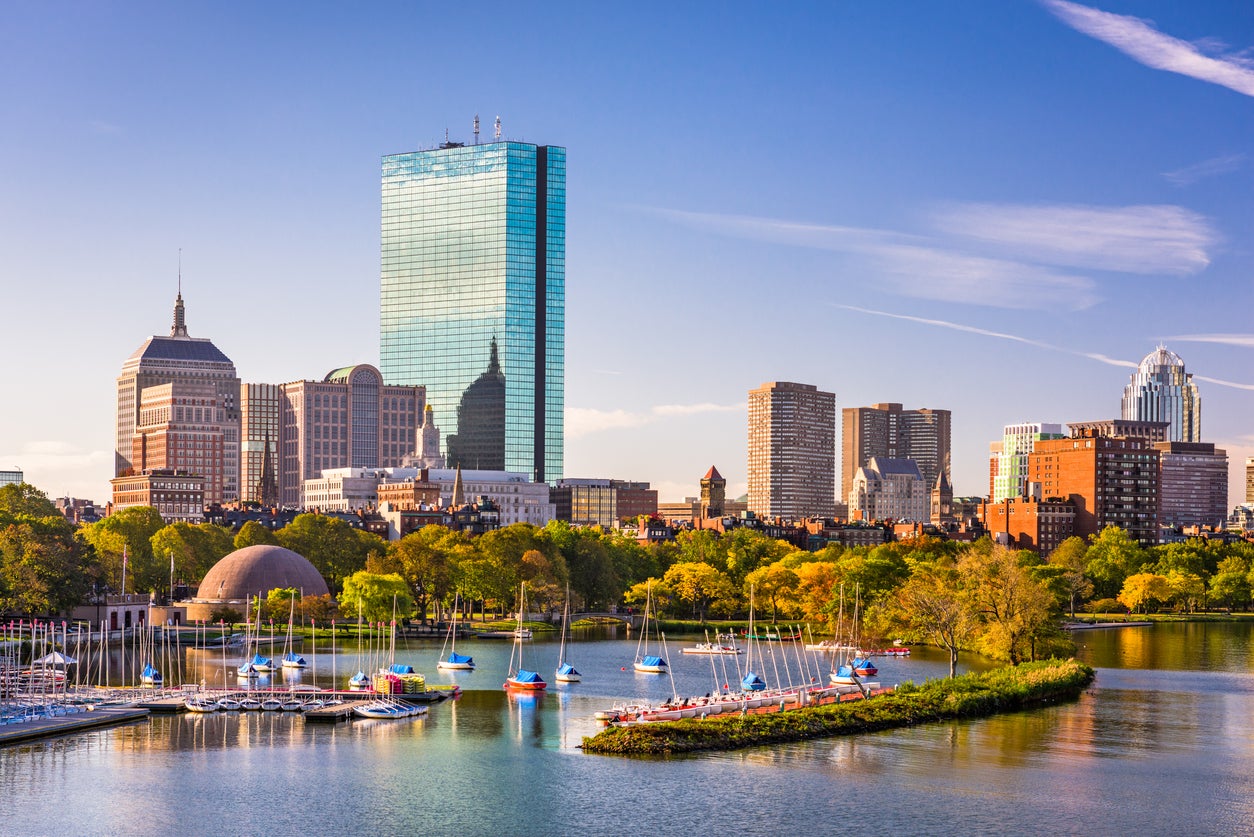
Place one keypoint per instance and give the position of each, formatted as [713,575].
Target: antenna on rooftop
[498,128]
[180,271]
[476,129]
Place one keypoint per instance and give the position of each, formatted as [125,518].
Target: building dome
[256,570]
[1161,356]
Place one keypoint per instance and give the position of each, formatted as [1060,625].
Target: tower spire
[179,328]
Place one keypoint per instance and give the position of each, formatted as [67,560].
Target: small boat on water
[249,704]
[359,681]
[454,661]
[519,677]
[228,704]
[150,676]
[202,705]
[566,673]
[271,704]
[723,644]
[646,662]
[293,660]
[247,671]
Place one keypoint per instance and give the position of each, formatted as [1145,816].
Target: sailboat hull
[645,668]
[447,666]
[568,678]
[511,683]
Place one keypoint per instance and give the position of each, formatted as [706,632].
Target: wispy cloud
[913,265]
[584,421]
[999,335]
[1189,175]
[1139,40]
[1015,338]
[1243,340]
[1129,239]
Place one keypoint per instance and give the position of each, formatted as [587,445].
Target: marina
[1168,706]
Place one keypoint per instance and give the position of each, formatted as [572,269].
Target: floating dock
[108,716]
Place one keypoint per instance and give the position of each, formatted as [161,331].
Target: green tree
[253,533]
[1187,589]
[129,532]
[22,499]
[424,560]
[194,549]
[589,564]
[1016,608]
[932,605]
[226,615]
[697,583]
[44,568]
[1230,583]
[377,597]
[330,544]
[747,550]
[1140,589]
[1072,557]
[1112,557]
[774,582]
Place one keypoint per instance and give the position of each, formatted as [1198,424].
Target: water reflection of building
[474,249]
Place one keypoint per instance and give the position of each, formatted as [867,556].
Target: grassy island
[970,696]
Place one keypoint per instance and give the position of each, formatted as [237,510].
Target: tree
[1014,607]
[226,615]
[817,586]
[423,559]
[1072,556]
[129,533]
[1112,557]
[774,582]
[932,604]
[330,544]
[194,549]
[44,568]
[1142,588]
[589,564]
[377,597]
[1230,583]
[320,609]
[21,499]
[253,533]
[748,549]
[1187,589]
[697,583]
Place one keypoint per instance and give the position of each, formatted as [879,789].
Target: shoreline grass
[1007,689]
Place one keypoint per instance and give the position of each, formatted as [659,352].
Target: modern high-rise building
[889,432]
[14,477]
[1161,390]
[792,451]
[1249,479]
[180,358]
[1193,484]
[473,297]
[1008,471]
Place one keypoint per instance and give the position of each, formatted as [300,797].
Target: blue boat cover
[652,661]
[752,682]
[398,668]
[259,660]
[524,676]
[293,657]
[566,668]
[454,657]
[359,678]
[149,672]
[862,665]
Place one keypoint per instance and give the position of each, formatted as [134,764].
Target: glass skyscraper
[473,297]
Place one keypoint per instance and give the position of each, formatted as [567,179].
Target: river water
[1162,744]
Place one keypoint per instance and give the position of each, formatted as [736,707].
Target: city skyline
[992,213]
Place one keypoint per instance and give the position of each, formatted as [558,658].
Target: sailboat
[566,673]
[645,662]
[454,661]
[849,673]
[519,677]
[290,658]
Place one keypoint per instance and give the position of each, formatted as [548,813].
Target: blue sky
[993,208]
